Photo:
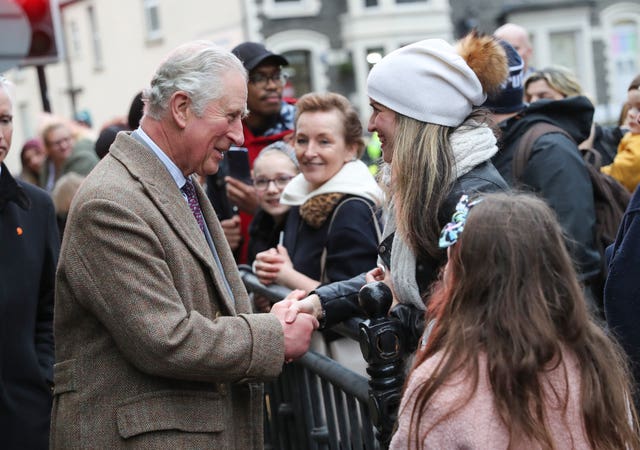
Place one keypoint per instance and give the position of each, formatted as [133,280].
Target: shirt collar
[175,172]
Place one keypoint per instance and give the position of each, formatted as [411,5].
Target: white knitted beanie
[427,81]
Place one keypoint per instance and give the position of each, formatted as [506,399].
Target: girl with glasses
[274,167]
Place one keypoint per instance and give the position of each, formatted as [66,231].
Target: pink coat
[477,425]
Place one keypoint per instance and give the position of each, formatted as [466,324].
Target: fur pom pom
[486,57]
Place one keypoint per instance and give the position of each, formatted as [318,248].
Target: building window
[564,50]
[411,1]
[370,3]
[299,71]
[98,59]
[623,42]
[276,9]
[74,33]
[152,20]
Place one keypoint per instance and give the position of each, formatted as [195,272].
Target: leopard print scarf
[318,209]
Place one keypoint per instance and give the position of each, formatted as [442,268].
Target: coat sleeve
[118,269]
[44,316]
[339,300]
[621,291]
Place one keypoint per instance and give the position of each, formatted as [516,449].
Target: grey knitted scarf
[471,146]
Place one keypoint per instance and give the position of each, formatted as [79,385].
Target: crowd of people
[134,239]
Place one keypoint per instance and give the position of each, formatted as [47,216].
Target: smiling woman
[331,232]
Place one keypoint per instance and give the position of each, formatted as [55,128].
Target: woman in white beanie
[436,144]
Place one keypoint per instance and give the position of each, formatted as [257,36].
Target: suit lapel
[161,188]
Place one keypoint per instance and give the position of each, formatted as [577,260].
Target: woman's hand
[309,305]
[286,270]
[267,266]
[380,273]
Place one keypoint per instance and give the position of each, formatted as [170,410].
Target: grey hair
[8,87]
[195,68]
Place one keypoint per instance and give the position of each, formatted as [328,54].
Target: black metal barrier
[316,403]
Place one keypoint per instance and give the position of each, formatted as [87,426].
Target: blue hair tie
[451,231]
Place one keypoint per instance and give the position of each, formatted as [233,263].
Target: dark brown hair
[511,293]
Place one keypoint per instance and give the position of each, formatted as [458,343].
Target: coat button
[382,249]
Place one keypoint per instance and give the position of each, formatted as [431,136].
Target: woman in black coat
[29,246]
[436,146]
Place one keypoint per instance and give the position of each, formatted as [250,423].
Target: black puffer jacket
[556,171]
[340,300]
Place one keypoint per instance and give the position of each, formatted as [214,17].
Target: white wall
[129,59]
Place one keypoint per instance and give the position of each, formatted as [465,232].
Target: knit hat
[252,54]
[427,81]
[510,97]
[282,147]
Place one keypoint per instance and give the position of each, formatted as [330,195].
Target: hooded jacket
[557,172]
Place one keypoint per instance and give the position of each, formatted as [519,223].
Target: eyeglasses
[261,80]
[262,184]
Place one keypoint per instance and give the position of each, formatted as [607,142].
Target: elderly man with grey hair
[156,346]
[518,37]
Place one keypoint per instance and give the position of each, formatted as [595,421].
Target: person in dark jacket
[436,146]
[556,83]
[331,230]
[622,290]
[29,249]
[555,169]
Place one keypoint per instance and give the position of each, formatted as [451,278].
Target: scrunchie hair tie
[451,231]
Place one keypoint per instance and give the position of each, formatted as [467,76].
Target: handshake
[299,318]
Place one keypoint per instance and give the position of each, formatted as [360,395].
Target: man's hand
[231,228]
[297,334]
[242,195]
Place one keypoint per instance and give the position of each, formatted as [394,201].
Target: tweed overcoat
[151,350]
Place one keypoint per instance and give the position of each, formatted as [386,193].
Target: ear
[180,107]
[352,153]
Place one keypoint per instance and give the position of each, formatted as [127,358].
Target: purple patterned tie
[192,198]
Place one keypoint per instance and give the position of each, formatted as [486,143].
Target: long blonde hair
[422,178]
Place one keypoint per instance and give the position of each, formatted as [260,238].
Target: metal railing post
[382,346]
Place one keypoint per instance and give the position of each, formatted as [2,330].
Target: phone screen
[239,164]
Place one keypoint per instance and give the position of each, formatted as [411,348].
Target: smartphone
[238,158]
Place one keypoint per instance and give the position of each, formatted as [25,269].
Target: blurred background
[87,59]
